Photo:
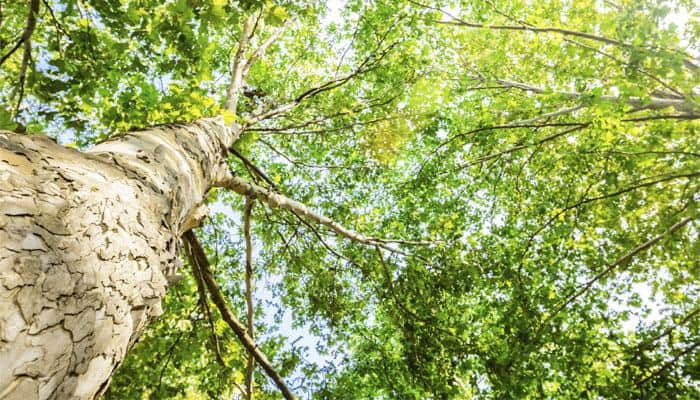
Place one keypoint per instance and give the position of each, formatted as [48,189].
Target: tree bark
[89,243]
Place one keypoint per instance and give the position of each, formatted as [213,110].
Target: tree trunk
[88,245]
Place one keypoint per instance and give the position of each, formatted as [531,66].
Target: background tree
[493,199]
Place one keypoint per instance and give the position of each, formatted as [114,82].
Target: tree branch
[254,168]
[526,27]
[27,55]
[653,103]
[627,65]
[238,66]
[454,20]
[247,210]
[169,353]
[586,200]
[277,200]
[204,303]
[513,149]
[198,258]
[668,364]
[397,300]
[323,242]
[370,63]
[622,260]
[12,50]
[681,117]
[293,129]
[511,125]
[645,344]
[308,165]
[263,48]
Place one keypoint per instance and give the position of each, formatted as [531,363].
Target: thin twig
[668,364]
[626,64]
[12,50]
[320,239]
[510,125]
[585,200]
[308,165]
[645,344]
[368,64]
[620,261]
[169,353]
[523,146]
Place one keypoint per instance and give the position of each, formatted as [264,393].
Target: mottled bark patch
[86,243]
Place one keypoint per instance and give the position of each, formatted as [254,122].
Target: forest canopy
[512,188]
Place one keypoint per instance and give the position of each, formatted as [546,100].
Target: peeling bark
[88,245]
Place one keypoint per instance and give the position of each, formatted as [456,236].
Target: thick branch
[277,200]
[262,49]
[199,259]
[238,66]
[653,103]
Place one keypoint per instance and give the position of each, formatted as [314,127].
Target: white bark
[238,66]
[88,243]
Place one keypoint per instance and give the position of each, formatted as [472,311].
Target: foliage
[549,150]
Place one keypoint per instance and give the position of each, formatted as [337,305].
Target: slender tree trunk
[89,243]
[250,314]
